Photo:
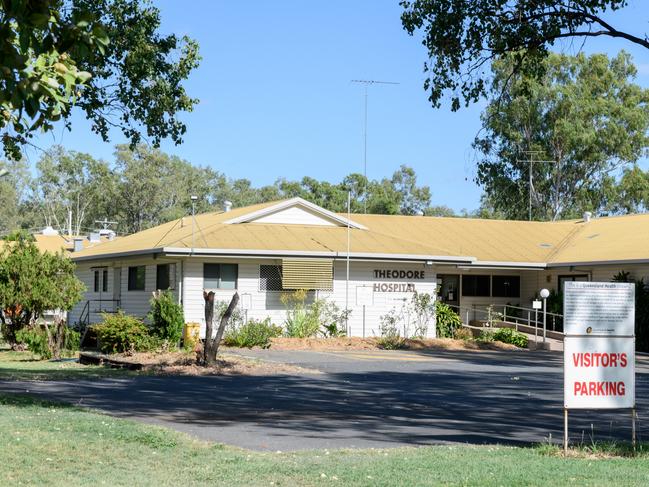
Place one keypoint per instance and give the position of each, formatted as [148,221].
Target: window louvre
[307,274]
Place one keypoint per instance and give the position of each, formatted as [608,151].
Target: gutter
[598,263]
[188,252]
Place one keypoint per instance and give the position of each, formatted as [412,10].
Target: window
[136,278]
[506,286]
[476,285]
[270,278]
[104,281]
[220,276]
[165,275]
[96,286]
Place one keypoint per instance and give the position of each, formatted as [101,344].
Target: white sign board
[599,372]
[536,304]
[364,296]
[599,308]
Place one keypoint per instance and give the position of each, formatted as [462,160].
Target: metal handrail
[534,317]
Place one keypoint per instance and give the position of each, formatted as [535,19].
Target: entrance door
[450,289]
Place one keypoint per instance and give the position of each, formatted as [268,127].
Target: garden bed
[183,363]
[356,343]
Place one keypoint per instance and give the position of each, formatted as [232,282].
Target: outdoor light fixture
[545,294]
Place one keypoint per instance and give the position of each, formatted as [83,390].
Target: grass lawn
[26,366]
[51,444]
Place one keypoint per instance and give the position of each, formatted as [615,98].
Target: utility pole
[366,83]
[530,183]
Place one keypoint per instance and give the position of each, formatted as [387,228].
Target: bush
[166,318]
[123,333]
[485,336]
[255,333]
[448,321]
[36,340]
[390,338]
[508,335]
[302,320]
[462,333]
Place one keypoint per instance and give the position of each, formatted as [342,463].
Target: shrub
[423,311]
[255,333]
[36,340]
[302,320]
[508,335]
[448,321]
[123,333]
[390,338]
[166,317]
[462,333]
[485,336]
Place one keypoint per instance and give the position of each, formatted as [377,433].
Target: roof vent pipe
[78,244]
[227,206]
[587,216]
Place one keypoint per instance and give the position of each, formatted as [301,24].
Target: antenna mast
[366,83]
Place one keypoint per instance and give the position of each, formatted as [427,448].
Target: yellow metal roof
[487,241]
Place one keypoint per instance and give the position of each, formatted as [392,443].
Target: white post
[544,295]
[349,205]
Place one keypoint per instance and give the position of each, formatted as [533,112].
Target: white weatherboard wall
[267,304]
[295,216]
[136,303]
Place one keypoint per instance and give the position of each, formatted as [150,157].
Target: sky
[277,101]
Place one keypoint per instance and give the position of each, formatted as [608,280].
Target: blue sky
[276,98]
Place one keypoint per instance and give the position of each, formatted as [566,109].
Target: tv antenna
[367,83]
[105,223]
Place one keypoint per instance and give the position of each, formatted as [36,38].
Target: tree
[14,192]
[213,340]
[102,56]
[31,283]
[463,36]
[582,121]
[74,183]
[631,193]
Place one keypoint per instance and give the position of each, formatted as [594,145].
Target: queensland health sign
[599,345]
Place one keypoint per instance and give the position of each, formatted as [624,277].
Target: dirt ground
[355,343]
[183,363]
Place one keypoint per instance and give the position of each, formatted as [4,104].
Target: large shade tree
[579,124]
[105,57]
[462,37]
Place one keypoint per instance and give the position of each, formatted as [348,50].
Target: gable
[295,211]
[295,216]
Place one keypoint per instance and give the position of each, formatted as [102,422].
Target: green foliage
[583,120]
[333,330]
[32,282]
[641,310]
[423,307]
[123,333]
[390,338]
[508,335]
[463,36]
[103,56]
[254,333]
[37,341]
[302,320]
[448,321]
[485,336]
[166,317]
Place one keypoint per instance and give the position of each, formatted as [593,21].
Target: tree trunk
[55,337]
[211,347]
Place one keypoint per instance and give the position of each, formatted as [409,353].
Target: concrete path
[363,399]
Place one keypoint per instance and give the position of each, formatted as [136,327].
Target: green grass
[27,366]
[50,444]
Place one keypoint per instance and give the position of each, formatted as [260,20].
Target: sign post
[599,348]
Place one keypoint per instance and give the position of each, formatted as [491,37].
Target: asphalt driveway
[362,399]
